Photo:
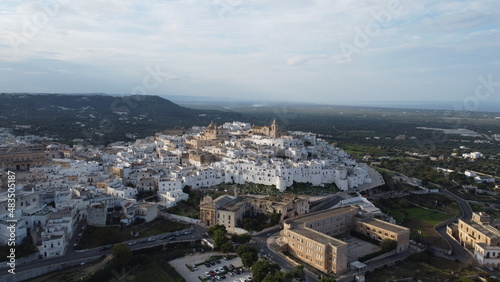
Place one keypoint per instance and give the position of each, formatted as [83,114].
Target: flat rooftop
[320,215]
[383,225]
[486,229]
[319,237]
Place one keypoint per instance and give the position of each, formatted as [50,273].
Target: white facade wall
[165,185]
[171,198]
[53,244]
[20,231]
[487,255]
[123,192]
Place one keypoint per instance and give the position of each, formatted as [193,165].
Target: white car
[207,274]
[151,239]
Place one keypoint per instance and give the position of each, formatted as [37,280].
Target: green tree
[263,268]
[122,254]
[220,237]
[226,247]
[298,272]
[242,238]
[388,245]
[211,230]
[403,203]
[247,259]
[277,276]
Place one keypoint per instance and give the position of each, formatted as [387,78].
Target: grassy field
[436,269]
[421,221]
[428,217]
[156,271]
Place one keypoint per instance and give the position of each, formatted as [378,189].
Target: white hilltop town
[58,185]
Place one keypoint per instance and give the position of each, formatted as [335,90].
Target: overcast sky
[324,51]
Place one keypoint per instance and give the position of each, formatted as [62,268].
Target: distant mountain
[100,119]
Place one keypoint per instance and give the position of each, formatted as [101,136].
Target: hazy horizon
[333,52]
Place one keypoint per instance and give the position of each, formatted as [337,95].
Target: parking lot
[203,271]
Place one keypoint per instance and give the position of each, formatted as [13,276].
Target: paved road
[464,206]
[458,252]
[89,254]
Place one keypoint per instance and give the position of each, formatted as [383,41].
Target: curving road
[458,252]
[464,205]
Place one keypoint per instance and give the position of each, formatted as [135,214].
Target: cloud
[275,48]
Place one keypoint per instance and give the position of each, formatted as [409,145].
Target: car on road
[163,237]
[177,233]
[132,243]
[103,248]
[151,239]
[212,262]
[187,232]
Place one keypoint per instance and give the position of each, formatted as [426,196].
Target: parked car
[207,274]
[194,267]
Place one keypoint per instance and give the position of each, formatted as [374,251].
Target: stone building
[311,238]
[212,136]
[272,130]
[230,211]
[481,235]
[22,157]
